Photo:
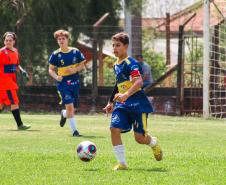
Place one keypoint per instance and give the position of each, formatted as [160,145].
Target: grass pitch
[194,153]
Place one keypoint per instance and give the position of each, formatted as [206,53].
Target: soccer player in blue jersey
[131,105]
[64,65]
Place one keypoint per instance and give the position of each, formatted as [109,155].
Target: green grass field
[194,153]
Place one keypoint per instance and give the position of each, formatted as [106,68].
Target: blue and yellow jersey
[126,70]
[63,60]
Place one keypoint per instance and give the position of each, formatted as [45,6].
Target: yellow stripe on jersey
[120,61]
[144,122]
[124,86]
[127,61]
[62,71]
[60,50]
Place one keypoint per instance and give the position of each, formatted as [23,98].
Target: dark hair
[122,37]
[141,56]
[10,34]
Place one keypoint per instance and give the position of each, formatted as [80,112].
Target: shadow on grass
[158,170]
[24,130]
[90,137]
[151,170]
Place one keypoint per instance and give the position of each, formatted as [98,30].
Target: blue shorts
[125,120]
[68,93]
[69,96]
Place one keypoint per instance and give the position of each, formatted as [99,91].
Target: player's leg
[68,97]
[75,104]
[63,113]
[70,116]
[13,101]
[1,107]
[119,149]
[2,100]
[142,137]
[118,119]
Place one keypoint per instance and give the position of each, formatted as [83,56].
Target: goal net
[217,86]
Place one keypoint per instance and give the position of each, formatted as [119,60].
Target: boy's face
[9,42]
[119,49]
[62,41]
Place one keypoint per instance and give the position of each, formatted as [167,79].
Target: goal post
[206,59]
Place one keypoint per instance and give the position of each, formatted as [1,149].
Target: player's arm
[114,92]
[147,71]
[145,77]
[109,107]
[23,71]
[137,83]
[79,67]
[52,72]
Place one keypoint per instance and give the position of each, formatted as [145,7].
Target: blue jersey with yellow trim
[123,73]
[64,60]
[138,102]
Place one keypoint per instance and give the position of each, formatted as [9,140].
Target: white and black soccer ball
[86,151]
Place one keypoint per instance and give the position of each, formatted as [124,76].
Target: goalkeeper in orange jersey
[131,107]
[9,65]
[64,66]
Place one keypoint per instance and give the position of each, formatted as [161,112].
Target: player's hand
[59,78]
[25,74]
[108,108]
[121,97]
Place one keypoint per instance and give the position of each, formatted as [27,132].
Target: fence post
[94,66]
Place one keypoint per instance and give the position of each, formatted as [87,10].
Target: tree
[154,59]
[35,21]
[96,9]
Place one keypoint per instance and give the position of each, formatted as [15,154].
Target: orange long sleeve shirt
[9,61]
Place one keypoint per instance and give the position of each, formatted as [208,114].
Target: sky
[158,8]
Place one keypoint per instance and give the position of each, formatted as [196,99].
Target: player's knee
[1,107]
[115,131]
[70,112]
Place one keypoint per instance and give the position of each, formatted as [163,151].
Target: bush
[156,62]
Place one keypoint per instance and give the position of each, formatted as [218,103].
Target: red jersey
[9,61]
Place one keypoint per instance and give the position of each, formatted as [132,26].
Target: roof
[87,50]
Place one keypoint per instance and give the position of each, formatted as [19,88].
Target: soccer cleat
[157,151]
[76,134]
[62,119]
[23,127]
[120,167]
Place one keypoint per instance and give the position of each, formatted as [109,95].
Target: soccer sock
[16,115]
[153,141]
[119,151]
[72,124]
[64,112]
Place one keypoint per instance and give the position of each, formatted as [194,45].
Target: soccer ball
[86,151]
